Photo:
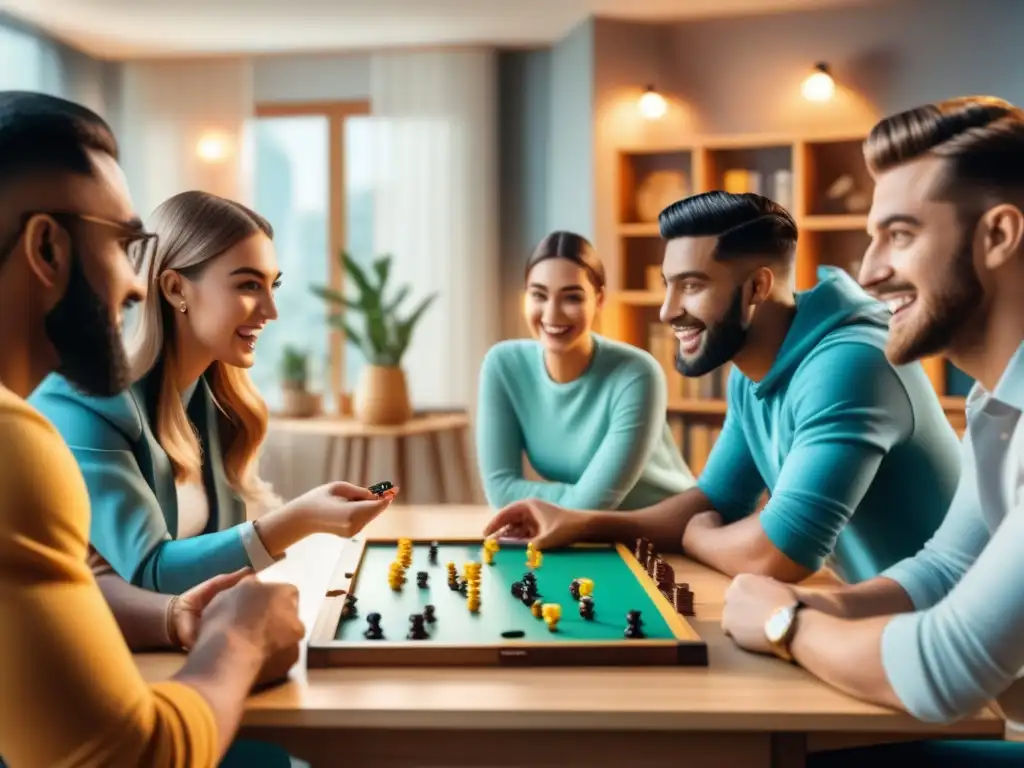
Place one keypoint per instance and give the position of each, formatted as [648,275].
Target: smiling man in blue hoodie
[857,454]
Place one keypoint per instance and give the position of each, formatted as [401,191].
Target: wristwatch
[780,628]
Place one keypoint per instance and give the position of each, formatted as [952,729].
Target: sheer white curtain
[167,109]
[435,167]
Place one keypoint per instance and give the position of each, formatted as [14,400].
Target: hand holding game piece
[187,609]
[545,525]
[339,508]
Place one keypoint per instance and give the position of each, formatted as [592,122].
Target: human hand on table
[545,524]
[187,608]
[263,619]
[749,601]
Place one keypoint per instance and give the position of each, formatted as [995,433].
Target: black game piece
[417,631]
[530,578]
[574,589]
[428,614]
[517,589]
[421,579]
[349,609]
[587,607]
[639,551]
[373,631]
[513,633]
[379,488]
[463,587]
[633,625]
[433,552]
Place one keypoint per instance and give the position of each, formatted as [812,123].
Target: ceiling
[121,29]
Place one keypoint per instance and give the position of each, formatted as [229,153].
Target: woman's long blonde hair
[194,228]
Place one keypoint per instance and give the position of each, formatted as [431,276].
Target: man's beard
[87,341]
[957,297]
[722,342]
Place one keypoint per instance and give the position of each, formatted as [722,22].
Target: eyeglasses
[138,244]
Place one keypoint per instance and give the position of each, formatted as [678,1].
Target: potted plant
[382,395]
[298,400]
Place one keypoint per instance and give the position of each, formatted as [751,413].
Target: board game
[476,603]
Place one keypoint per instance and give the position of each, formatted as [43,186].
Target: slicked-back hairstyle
[571,247]
[745,224]
[981,137]
[41,133]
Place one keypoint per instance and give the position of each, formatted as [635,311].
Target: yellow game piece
[537,559]
[488,557]
[536,608]
[586,587]
[551,612]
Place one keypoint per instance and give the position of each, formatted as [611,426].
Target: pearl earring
[182,307]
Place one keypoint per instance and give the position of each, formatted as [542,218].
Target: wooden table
[356,437]
[743,710]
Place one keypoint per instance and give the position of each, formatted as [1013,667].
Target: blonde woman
[171,463]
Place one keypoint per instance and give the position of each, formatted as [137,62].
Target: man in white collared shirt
[940,634]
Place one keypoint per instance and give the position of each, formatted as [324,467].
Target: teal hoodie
[857,454]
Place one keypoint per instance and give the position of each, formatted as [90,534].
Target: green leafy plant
[386,332]
[294,367]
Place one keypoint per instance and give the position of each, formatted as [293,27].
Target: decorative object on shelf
[658,191]
[782,188]
[382,395]
[739,181]
[299,402]
[819,85]
[652,104]
[843,196]
[345,404]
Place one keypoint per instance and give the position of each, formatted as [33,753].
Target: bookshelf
[820,179]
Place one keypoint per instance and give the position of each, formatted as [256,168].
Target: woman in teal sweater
[587,412]
[171,462]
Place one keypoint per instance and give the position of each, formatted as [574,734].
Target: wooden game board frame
[323,650]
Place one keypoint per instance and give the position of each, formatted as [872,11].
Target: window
[359,213]
[313,182]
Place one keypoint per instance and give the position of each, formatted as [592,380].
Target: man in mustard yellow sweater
[70,694]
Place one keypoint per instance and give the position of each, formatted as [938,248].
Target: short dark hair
[40,133]
[745,224]
[981,137]
[571,247]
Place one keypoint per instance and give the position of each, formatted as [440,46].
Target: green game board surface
[616,592]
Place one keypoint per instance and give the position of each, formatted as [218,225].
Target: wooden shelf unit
[832,232]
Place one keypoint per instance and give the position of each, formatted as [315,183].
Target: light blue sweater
[964,643]
[857,453]
[134,521]
[601,441]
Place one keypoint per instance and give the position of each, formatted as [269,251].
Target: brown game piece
[640,550]
[664,575]
[682,599]
[651,557]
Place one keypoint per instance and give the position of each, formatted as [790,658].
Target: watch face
[778,624]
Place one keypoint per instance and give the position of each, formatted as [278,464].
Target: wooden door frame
[336,113]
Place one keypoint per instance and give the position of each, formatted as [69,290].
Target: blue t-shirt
[857,454]
[601,441]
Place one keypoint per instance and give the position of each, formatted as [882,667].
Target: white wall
[166,107]
[328,77]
